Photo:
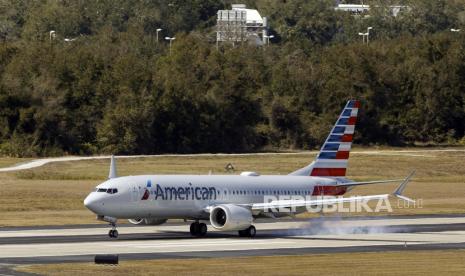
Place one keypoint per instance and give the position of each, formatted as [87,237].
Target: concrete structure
[241,24]
[358,9]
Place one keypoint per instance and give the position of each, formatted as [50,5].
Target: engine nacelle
[230,217]
[147,221]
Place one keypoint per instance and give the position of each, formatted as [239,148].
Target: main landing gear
[249,232]
[113,233]
[198,229]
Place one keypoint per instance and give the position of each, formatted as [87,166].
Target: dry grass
[10,161]
[53,194]
[448,262]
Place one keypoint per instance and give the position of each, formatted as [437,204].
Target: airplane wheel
[202,229]
[113,234]
[251,231]
[242,233]
[195,228]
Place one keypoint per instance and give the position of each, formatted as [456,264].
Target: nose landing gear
[198,229]
[113,233]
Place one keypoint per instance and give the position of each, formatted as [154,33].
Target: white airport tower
[240,25]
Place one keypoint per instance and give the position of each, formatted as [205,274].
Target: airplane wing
[330,201]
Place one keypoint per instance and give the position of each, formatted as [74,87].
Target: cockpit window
[112,191]
[108,191]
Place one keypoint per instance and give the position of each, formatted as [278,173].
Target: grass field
[9,161]
[448,262]
[53,194]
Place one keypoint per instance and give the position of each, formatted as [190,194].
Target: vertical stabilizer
[112,173]
[334,154]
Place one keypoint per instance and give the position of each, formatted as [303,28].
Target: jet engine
[230,217]
[147,221]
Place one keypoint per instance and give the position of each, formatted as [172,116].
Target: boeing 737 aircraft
[232,202]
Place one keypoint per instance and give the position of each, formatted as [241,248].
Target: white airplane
[232,202]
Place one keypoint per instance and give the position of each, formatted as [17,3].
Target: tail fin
[334,154]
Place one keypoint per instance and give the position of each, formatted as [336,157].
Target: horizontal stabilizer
[350,184]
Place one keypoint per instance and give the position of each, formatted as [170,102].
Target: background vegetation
[116,90]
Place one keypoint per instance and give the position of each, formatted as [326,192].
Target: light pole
[455,30]
[158,30]
[52,35]
[170,40]
[363,36]
[368,34]
[268,37]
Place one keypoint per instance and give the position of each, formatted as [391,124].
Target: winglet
[398,192]
[112,173]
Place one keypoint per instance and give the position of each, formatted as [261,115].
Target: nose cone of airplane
[92,203]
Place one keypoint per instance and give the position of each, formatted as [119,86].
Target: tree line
[113,88]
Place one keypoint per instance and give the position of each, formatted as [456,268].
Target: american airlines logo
[179,193]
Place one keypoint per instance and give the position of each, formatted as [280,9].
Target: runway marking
[216,244]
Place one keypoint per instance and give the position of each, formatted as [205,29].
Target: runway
[283,237]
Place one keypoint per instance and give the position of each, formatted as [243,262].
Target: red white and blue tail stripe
[334,154]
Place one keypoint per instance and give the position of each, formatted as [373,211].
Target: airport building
[358,9]
[241,25]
